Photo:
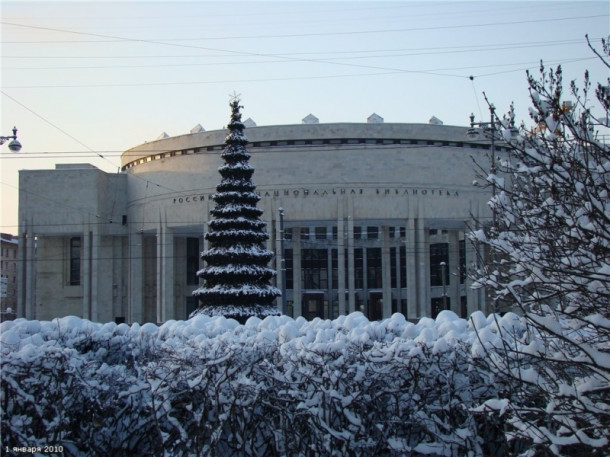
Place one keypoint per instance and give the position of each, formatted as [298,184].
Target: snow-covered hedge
[278,386]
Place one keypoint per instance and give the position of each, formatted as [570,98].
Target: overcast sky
[84,81]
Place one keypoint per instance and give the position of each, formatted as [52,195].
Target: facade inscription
[304,192]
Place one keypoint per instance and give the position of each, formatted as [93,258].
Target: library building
[375,218]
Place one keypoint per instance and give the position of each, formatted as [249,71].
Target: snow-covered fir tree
[552,264]
[236,277]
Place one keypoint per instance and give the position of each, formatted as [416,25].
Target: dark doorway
[375,311]
[313,306]
[438,304]
[191,305]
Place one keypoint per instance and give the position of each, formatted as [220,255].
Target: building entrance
[313,305]
[375,311]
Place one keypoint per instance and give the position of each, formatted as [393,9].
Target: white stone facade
[371,211]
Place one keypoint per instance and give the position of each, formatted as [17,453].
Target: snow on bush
[278,386]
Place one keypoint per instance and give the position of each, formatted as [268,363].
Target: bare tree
[550,245]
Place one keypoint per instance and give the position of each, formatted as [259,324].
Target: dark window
[357,232]
[304,233]
[320,233]
[439,253]
[372,232]
[374,276]
[75,257]
[334,255]
[192,260]
[403,267]
[287,234]
[314,269]
[398,267]
[335,233]
[358,268]
[462,245]
[393,269]
[191,305]
[289,268]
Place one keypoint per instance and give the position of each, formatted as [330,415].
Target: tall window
[398,267]
[314,268]
[289,268]
[403,267]
[358,268]
[320,233]
[372,232]
[75,260]
[439,252]
[335,268]
[374,276]
[462,261]
[393,269]
[192,261]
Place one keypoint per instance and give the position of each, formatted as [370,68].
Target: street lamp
[444,279]
[282,260]
[490,129]
[14,145]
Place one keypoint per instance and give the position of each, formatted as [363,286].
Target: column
[297,293]
[87,238]
[386,269]
[341,261]
[279,255]
[351,266]
[411,253]
[136,252]
[453,271]
[475,298]
[94,253]
[165,269]
[422,241]
[27,294]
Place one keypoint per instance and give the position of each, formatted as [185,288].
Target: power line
[427,50]
[396,52]
[172,42]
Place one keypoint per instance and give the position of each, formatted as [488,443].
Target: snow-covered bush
[278,386]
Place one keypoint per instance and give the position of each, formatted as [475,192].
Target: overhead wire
[285,57]
[173,41]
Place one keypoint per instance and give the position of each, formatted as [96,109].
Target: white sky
[83,80]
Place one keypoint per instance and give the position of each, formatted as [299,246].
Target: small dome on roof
[310,119]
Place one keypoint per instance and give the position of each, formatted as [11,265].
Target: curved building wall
[367,208]
[374,215]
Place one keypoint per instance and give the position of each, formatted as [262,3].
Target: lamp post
[14,145]
[492,128]
[473,133]
[282,260]
[444,279]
